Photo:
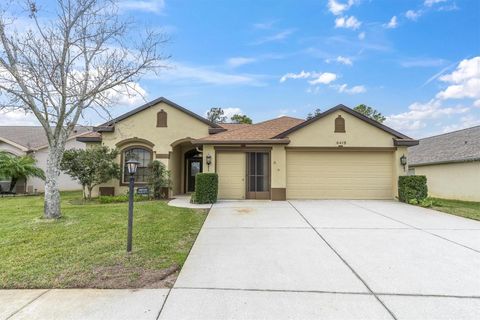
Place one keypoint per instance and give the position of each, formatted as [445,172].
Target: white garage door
[339,175]
[231,175]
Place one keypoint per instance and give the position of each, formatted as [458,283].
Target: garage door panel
[339,175]
[231,175]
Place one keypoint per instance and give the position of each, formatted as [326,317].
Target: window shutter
[161,119]
[339,124]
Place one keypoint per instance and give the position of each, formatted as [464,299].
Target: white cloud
[341,59]
[422,62]
[290,75]
[361,35]
[315,77]
[464,81]
[347,22]
[17,118]
[191,74]
[323,78]
[154,6]
[282,35]
[229,112]
[413,15]
[239,61]
[130,95]
[429,3]
[465,122]
[353,90]
[392,24]
[344,60]
[264,25]
[421,114]
[337,8]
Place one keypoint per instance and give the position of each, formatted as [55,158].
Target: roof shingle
[31,137]
[457,146]
[256,132]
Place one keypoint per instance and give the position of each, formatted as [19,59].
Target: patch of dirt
[119,277]
[244,210]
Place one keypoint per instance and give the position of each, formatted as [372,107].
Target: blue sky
[416,61]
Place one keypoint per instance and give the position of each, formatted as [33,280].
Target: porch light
[403,161]
[209,159]
[132,166]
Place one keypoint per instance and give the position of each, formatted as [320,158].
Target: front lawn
[86,247]
[466,209]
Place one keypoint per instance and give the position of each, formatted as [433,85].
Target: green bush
[206,188]
[413,201]
[412,187]
[121,198]
[427,203]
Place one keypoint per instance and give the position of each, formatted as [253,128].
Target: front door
[194,166]
[258,175]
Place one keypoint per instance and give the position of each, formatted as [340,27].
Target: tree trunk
[13,182]
[52,193]
[90,193]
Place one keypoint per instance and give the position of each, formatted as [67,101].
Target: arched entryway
[193,166]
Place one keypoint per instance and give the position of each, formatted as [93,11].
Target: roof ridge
[277,118]
[446,133]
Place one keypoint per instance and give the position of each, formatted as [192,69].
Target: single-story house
[339,154]
[451,163]
[31,140]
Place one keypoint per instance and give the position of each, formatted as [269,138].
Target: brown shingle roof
[258,132]
[31,137]
[234,126]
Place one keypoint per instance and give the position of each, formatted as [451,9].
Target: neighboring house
[31,140]
[451,162]
[339,154]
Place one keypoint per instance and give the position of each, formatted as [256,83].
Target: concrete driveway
[329,260]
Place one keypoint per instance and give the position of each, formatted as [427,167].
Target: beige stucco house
[451,163]
[31,140]
[339,154]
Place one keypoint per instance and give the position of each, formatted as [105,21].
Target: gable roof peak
[350,111]
[147,105]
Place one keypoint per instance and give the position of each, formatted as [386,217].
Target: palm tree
[17,168]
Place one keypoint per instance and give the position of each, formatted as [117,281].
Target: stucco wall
[358,134]
[143,125]
[460,181]
[65,182]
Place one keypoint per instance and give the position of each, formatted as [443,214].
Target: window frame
[122,164]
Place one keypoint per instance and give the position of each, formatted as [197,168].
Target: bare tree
[75,60]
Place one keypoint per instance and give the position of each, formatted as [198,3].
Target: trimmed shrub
[427,203]
[412,187]
[206,188]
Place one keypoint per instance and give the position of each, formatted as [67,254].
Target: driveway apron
[330,259]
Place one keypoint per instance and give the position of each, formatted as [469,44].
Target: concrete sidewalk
[81,304]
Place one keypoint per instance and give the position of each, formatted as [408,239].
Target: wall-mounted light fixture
[403,161]
[208,160]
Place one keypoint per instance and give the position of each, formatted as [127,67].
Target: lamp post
[132,169]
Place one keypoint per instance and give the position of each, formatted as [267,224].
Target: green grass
[86,247]
[466,209]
